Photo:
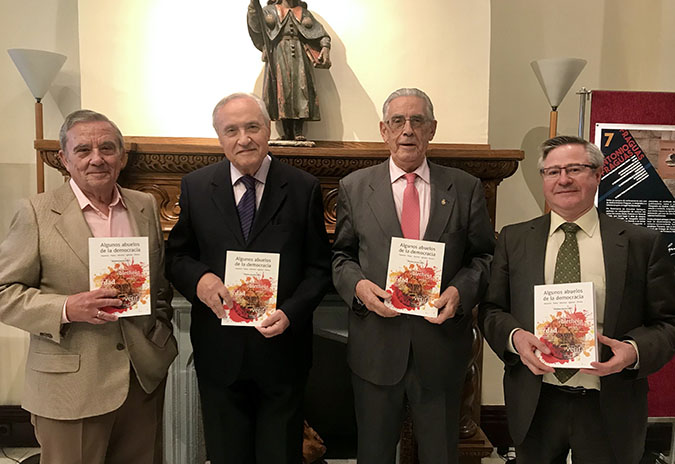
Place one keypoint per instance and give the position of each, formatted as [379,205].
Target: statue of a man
[298,42]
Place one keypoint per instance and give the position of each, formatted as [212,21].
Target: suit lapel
[443,198]
[138,217]
[532,256]
[222,196]
[535,249]
[273,198]
[72,226]
[71,223]
[381,201]
[615,252]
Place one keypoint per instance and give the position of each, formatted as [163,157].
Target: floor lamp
[556,76]
[38,68]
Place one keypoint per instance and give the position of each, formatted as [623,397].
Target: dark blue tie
[246,206]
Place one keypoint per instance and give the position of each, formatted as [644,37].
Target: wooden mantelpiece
[157,164]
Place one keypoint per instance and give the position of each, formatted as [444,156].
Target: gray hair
[234,96]
[80,116]
[409,92]
[595,156]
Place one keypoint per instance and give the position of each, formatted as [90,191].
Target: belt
[579,391]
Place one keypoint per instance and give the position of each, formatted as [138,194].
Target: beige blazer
[79,370]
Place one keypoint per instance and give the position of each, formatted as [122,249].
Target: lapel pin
[443,202]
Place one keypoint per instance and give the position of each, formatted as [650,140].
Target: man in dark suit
[601,413]
[251,382]
[397,357]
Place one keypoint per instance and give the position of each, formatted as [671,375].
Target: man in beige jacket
[94,383]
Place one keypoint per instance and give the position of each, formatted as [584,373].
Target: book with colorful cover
[414,276]
[565,321]
[122,263]
[252,280]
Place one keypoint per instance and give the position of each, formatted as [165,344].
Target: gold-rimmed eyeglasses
[572,170]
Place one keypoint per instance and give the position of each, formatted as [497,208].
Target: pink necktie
[410,215]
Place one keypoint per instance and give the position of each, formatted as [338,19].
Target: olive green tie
[567,270]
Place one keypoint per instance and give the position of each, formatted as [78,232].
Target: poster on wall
[638,176]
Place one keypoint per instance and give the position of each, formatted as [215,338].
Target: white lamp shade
[556,76]
[37,67]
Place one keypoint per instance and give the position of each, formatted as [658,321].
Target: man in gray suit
[600,413]
[395,357]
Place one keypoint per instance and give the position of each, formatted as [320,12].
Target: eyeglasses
[572,170]
[396,123]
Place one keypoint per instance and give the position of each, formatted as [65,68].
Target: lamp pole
[39,135]
[584,95]
[553,122]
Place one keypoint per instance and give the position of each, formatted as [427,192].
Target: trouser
[130,434]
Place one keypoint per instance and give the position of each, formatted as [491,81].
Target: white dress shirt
[260,176]
[592,267]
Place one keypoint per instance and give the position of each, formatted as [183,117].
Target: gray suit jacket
[378,347]
[79,370]
[639,305]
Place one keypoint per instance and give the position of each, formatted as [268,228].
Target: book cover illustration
[122,263]
[565,322]
[252,279]
[414,276]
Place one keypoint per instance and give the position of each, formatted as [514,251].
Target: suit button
[120,347]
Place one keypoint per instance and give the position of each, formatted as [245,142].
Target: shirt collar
[589,222]
[83,201]
[260,175]
[422,171]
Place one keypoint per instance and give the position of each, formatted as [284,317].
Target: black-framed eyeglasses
[572,170]
[397,122]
